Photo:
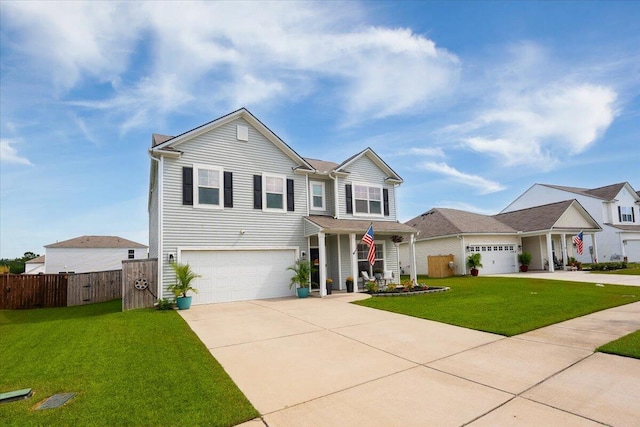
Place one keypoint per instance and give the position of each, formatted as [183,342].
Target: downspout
[160,215]
[336,209]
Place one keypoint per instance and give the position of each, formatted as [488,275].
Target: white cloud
[484,185]
[422,151]
[232,53]
[8,154]
[534,111]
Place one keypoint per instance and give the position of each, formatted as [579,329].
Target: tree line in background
[16,265]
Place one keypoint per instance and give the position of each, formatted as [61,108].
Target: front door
[315,264]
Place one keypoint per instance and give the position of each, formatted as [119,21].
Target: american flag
[367,239]
[577,240]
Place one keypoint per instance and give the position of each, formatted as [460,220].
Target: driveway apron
[324,362]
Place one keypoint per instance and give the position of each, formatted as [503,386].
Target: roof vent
[242,133]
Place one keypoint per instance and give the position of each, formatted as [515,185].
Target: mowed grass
[504,305]
[138,368]
[629,346]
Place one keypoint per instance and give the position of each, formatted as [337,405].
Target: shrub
[606,266]
[164,304]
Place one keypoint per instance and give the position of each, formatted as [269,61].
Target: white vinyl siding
[86,260]
[186,227]
[364,171]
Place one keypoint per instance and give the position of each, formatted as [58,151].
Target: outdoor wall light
[242,231]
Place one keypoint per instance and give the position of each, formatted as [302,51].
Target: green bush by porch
[504,305]
[141,367]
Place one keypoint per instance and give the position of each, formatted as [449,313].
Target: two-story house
[615,208]
[236,203]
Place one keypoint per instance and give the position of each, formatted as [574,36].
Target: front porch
[552,250]
[335,249]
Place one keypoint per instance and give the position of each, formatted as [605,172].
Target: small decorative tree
[473,262]
[184,277]
[302,270]
[524,259]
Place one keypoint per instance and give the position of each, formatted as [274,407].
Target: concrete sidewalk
[578,276]
[323,362]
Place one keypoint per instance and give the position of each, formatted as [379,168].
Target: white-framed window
[367,199]
[274,194]
[626,214]
[363,263]
[207,187]
[317,195]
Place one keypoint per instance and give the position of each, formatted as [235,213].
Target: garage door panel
[232,275]
[497,258]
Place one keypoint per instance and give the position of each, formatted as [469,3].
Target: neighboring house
[91,253]
[34,266]
[544,231]
[616,208]
[236,203]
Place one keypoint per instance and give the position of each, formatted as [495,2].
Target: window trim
[383,243]
[265,208]
[626,217]
[322,185]
[355,199]
[196,186]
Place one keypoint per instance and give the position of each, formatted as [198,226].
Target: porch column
[341,282]
[565,254]
[550,254]
[353,257]
[412,257]
[595,247]
[322,264]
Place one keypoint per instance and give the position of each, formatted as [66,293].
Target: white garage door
[240,275]
[497,259]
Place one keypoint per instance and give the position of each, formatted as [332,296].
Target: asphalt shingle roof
[536,218]
[444,222]
[97,242]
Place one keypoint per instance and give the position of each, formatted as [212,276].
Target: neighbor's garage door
[497,259]
[240,275]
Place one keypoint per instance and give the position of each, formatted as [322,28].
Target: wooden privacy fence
[439,265]
[90,288]
[139,283]
[19,291]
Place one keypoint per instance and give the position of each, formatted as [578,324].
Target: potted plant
[473,262]
[329,286]
[184,277]
[349,284]
[524,259]
[302,270]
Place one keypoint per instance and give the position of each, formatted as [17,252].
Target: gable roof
[322,165]
[95,242]
[170,144]
[391,174]
[440,222]
[543,217]
[608,192]
[36,260]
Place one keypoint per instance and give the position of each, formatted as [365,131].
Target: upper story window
[626,214]
[208,183]
[132,254]
[367,199]
[274,192]
[317,195]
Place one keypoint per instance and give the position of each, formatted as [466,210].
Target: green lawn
[629,346]
[139,368]
[504,305]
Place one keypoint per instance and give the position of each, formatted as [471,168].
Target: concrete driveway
[324,362]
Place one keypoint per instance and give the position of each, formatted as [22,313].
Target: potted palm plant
[524,259]
[302,270]
[184,277]
[473,262]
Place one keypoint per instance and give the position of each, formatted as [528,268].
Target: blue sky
[470,102]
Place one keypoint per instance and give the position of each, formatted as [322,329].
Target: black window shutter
[348,198]
[619,214]
[257,191]
[385,200]
[633,214]
[187,186]
[228,189]
[290,204]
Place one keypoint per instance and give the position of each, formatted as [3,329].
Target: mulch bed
[406,292]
